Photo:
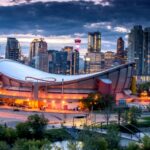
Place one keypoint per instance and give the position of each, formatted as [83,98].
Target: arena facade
[25,85]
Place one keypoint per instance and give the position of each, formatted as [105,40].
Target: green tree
[8,135]
[113,137]
[92,140]
[23,130]
[146,143]
[106,101]
[4,146]
[2,132]
[125,117]
[37,124]
[133,114]
[24,144]
[73,145]
[133,146]
[91,101]
[94,143]
[57,135]
[95,101]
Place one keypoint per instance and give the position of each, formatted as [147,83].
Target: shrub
[23,130]
[24,144]
[4,146]
[57,135]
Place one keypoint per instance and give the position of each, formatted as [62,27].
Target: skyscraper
[38,56]
[135,48]
[93,56]
[72,60]
[94,42]
[57,61]
[120,47]
[37,46]
[93,62]
[13,50]
[146,50]
[109,58]
[120,55]
[75,64]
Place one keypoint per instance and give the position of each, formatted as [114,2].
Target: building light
[87,59]
[53,101]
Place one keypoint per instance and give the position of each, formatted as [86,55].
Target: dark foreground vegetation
[33,135]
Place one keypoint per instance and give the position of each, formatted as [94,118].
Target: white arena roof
[21,72]
[18,71]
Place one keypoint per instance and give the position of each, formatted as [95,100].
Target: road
[11,118]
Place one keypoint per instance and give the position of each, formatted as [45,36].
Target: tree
[34,127]
[8,135]
[106,101]
[107,115]
[146,143]
[95,101]
[125,117]
[133,146]
[24,144]
[94,143]
[4,146]
[73,145]
[91,101]
[133,115]
[92,140]
[113,137]
[23,130]
[57,135]
[37,124]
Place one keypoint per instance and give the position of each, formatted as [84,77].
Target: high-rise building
[93,58]
[13,50]
[57,61]
[72,60]
[120,57]
[135,48]
[37,46]
[75,64]
[109,58]
[93,62]
[38,56]
[120,48]
[94,42]
[146,51]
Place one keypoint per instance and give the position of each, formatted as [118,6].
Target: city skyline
[61,21]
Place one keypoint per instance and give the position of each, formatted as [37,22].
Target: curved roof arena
[18,71]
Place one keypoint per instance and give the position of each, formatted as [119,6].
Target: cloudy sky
[60,21]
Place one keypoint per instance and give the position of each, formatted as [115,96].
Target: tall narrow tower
[77,43]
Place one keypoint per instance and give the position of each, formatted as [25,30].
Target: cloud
[99,25]
[54,42]
[121,29]
[18,2]
[72,18]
